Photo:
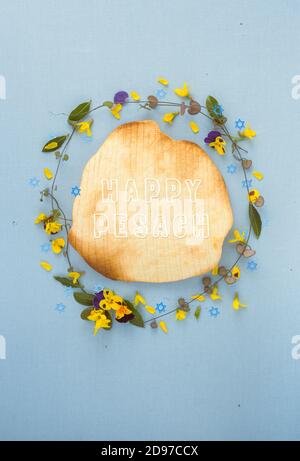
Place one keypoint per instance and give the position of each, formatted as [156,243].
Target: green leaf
[197,312]
[211,102]
[255,220]
[79,112]
[138,319]
[54,144]
[85,313]
[108,104]
[85,299]
[65,282]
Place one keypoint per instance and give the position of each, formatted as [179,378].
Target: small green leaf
[138,319]
[197,312]
[85,313]
[65,282]
[79,112]
[211,102]
[54,144]
[255,220]
[85,299]
[108,104]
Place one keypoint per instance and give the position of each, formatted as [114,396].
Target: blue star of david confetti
[214,312]
[161,307]
[251,265]
[98,288]
[68,291]
[46,247]
[231,168]
[60,307]
[161,93]
[218,110]
[75,191]
[240,124]
[34,182]
[247,182]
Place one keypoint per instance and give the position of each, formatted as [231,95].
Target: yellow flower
[180,314]
[236,304]
[182,92]
[237,237]
[247,132]
[163,81]
[163,326]
[122,310]
[135,96]
[46,266]
[194,127]
[115,110]
[150,309]
[100,319]
[57,245]
[253,195]
[85,127]
[51,145]
[236,272]
[169,117]
[74,276]
[219,144]
[52,227]
[111,301]
[258,175]
[214,295]
[199,297]
[40,218]
[215,270]
[48,173]
[138,299]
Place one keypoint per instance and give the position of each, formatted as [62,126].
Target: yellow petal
[163,81]
[163,326]
[236,272]
[253,195]
[194,127]
[135,96]
[215,270]
[138,299]
[169,117]
[48,173]
[115,110]
[57,245]
[150,309]
[180,314]
[199,297]
[248,132]
[41,217]
[45,265]
[258,175]
[214,295]
[182,92]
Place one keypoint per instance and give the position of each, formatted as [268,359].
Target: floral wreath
[105,306]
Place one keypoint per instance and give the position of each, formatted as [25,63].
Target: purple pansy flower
[120,97]
[97,298]
[211,137]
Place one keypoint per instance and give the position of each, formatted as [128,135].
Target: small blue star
[60,307]
[161,307]
[34,182]
[98,288]
[240,124]
[231,168]
[75,191]
[247,182]
[46,247]
[68,291]
[218,110]
[214,311]
[251,265]
[161,93]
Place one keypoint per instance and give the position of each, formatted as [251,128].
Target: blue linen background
[225,377]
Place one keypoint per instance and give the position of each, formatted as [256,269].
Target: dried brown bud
[246,163]
[259,201]
[153,101]
[181,301]
[222,271]
[153,324]
[194,108]
[208,290]
[206,281]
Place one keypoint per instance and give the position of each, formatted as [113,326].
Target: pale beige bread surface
[134,151]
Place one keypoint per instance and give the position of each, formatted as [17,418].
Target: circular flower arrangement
[104,307]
